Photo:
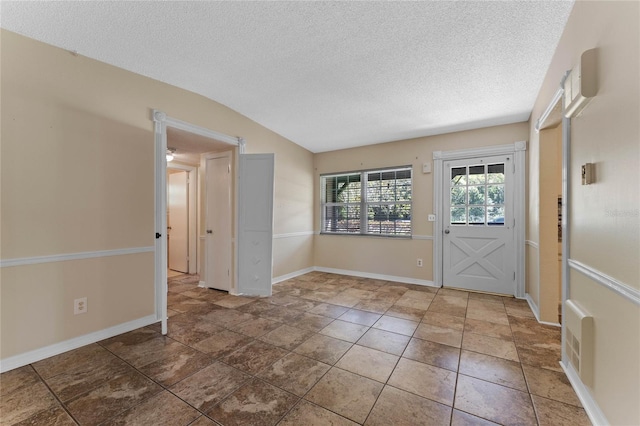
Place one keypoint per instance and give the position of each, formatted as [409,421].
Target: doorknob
[209,231]
[446,231]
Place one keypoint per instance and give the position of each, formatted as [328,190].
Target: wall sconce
[170,153]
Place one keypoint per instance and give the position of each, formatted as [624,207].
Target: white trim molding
[73,256]
[192,128]
[405,280]
[532,244]
[536,311]
[622,289]
[589,404]
[293,234]
[422,237]
[487,151]
[533,306]
[26,358]
[279,279]
[554,104]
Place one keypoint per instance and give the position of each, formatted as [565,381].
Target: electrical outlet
[431,218]
[419,263]
[80,306]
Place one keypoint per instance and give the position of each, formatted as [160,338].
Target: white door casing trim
[161,121]
[516,149]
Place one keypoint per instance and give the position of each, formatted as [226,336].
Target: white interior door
[178,222]
[218,223]
[255,224]
[478,240]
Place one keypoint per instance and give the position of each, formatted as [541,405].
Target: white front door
[478,226]
[218,222]
[178,222]
[255,224]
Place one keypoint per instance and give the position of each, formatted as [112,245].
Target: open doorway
[182,236]
[251,192]
[551,204]
[198,192]
[189,145]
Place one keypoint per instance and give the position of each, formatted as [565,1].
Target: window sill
[400,237]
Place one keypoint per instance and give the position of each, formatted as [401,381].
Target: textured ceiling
[326,75]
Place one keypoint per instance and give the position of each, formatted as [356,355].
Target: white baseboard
[276,280]
[404,280]
[536,312]
[77,342]
[590,405]
[533,306]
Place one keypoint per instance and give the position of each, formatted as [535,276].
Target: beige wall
[77,176]
[550,180]
[394,256]
[605,230]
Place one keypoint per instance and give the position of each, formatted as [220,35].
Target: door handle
[209,231]
[446,231]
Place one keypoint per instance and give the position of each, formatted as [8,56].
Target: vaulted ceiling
[326,75]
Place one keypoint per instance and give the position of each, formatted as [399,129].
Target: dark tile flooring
[323,350]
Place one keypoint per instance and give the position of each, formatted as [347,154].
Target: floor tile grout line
[62,405]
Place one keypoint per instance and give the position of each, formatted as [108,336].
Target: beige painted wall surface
[37,300]
[550,178]
[77,175]
[296,254]
[390,256]
[617,350]
[605,230]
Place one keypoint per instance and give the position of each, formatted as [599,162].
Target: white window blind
[369,202]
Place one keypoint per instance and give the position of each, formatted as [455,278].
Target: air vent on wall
[581,84]
[579,340]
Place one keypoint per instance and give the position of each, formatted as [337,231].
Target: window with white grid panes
[477,195]
[370,202]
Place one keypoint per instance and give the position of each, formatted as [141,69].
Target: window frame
[364,203]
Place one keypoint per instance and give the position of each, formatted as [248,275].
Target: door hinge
[228,273]
[514,167]
[228,168]
[514,222]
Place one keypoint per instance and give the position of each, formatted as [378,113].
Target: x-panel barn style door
[478,224]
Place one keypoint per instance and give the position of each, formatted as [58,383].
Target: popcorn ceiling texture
[326,75]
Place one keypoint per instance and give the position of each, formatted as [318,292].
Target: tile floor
[323,350]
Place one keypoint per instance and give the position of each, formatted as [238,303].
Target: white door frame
[161,122]
[516,149]
[192,175]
